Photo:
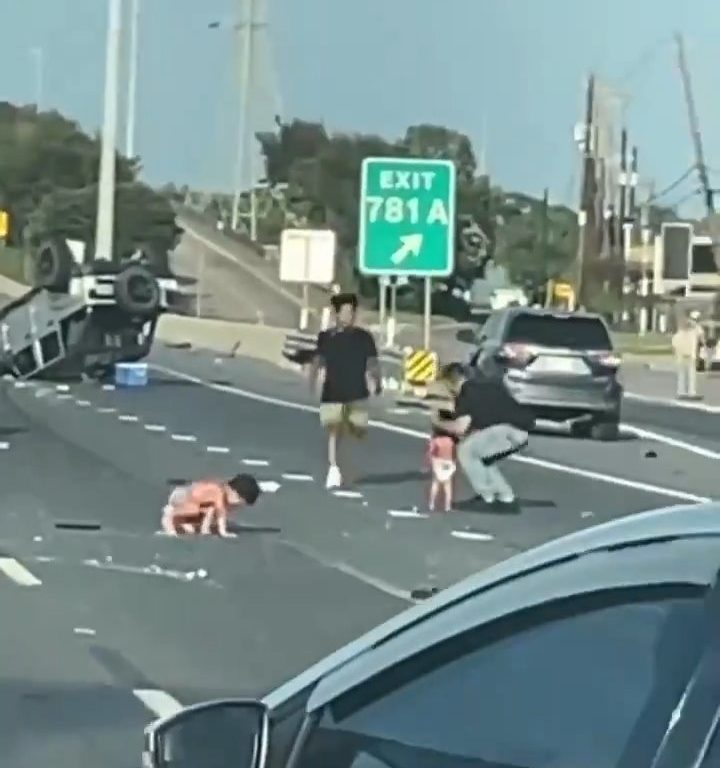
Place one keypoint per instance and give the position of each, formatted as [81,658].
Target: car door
[590,670]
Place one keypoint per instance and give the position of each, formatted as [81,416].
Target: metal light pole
[38,60]
[132,78]
[105,225]
[245,73]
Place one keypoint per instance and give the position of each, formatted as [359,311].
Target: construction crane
[696,137]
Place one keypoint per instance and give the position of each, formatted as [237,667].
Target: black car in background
[559,365]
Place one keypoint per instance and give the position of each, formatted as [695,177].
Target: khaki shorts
[352,417]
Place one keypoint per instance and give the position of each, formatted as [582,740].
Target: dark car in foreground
[598,649]
[559,365]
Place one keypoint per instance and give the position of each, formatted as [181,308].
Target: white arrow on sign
[410,245]
[268,486]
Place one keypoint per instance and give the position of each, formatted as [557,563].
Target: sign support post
[382,306]
[427,313]
[392,322]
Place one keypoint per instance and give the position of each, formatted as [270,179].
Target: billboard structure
[683,261]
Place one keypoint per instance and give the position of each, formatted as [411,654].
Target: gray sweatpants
[487,481]
[686,376]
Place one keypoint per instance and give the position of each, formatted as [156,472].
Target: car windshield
[564,331]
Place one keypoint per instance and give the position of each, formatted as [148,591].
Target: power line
[672,186]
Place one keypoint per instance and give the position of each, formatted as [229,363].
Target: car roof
[543,312]
[665,523]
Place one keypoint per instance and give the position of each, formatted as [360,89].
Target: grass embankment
[12,263]
[650,344]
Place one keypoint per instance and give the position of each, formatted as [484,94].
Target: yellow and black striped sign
[420,366]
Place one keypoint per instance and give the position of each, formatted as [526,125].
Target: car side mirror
[229,733]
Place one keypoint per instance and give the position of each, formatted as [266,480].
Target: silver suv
[559,365]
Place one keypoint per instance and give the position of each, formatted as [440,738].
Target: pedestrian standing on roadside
[686,343]
[490,426]
[348,359]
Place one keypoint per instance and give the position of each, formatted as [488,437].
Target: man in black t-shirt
[490,426]
[348,357]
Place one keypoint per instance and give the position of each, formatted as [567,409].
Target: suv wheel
[596,430]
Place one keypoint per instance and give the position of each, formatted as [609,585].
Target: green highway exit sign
[407,217]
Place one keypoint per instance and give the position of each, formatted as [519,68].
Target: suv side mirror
[215,734]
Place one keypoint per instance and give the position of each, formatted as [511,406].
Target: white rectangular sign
[307,256]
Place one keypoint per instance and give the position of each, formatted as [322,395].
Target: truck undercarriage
[75,323]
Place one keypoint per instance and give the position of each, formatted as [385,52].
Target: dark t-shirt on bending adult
[488,403]
[345,353]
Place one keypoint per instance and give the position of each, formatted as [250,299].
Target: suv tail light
[516,354]
[607,359]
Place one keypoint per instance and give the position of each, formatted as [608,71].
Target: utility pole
[132,79]
[105,226]
[586,212]
[633,182]
[696,137]
[645,264]
[618,255]
[247,27]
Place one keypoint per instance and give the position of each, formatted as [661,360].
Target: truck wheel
[52,266]
[605,430]
[137,291]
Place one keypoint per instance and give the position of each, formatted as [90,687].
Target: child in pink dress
[441,453]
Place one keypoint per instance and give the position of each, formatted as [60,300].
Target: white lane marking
[269,486]
[256,462]
[399,411]
[672,441]
[160,703]
[128,417]
[108,387]
[18,573]
[406,513]
[21,384]
[666,401]
[540,463]
[348,494]
[297,477]
[217,449]
[106,409]
[82,403]
[155,427]
[472,535]
[64,396]
[4,446]
[184,438]
[349,570]
[62,388]
[84,631]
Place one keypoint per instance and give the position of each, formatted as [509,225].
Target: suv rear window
[568,331]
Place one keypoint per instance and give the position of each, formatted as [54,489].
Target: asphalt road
[107,623]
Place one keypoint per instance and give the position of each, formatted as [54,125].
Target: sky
[509,73]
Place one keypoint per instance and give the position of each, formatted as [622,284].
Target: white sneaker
[334,478]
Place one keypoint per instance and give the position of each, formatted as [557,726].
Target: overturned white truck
[80,319]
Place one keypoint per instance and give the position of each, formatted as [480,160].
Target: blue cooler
[131,374]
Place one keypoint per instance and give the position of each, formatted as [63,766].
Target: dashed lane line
[255,462]
[17,572]
[217,449]
[183,438]
[128,417]
[297,477]
[622,482]
[155,427]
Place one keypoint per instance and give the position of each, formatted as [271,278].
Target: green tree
[48,184]
[143,220]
